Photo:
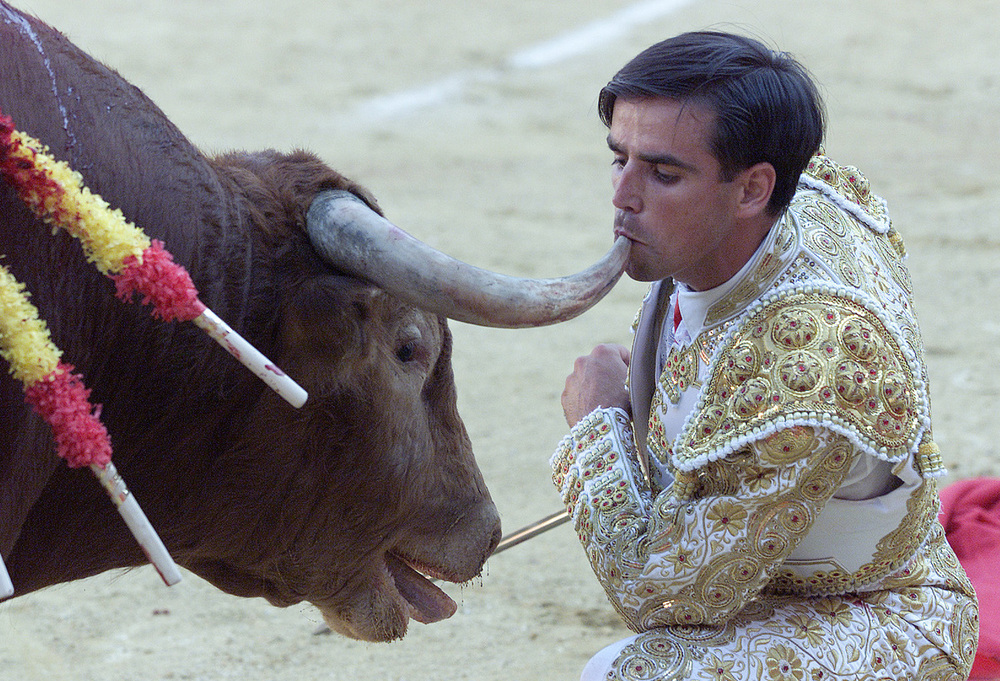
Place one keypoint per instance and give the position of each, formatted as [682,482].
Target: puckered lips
[427,603]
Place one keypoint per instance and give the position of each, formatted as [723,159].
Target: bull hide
[335,503]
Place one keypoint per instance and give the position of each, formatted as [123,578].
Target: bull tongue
[427,602]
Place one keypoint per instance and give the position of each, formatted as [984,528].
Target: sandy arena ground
[477,129]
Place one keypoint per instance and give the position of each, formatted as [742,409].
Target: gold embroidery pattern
[824,639]
[854,255]
[761,279]
[698,354]
[683,364]
[592,430]
[682,368]
[850,183]
[808,355]
[739,544]
[891,555]
[829,638]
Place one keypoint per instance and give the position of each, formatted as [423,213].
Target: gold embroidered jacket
[813,360]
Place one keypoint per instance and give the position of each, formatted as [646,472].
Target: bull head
[406,374]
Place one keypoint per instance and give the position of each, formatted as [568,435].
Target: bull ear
[353,238]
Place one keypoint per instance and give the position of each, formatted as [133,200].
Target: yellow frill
[24,339]
[106,236]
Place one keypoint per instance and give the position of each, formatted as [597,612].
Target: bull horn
[355,239]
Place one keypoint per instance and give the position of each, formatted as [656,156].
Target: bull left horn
[352,237]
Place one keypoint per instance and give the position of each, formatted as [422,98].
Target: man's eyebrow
[654,159]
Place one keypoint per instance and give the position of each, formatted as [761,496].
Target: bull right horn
[355,239]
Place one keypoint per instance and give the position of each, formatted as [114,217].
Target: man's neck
[755,231]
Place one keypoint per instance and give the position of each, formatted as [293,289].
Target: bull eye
[407,352]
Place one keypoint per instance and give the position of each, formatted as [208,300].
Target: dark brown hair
[766,105]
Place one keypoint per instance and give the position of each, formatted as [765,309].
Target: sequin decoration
[833,361]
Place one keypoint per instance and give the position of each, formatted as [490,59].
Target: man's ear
[757,183]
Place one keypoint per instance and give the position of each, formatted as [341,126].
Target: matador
[769,509]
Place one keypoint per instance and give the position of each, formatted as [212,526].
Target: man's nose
[626,190]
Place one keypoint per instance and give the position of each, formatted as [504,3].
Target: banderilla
[532,530]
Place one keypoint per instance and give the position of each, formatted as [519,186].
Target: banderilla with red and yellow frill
[138,265]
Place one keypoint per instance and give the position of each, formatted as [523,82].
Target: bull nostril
[495,538]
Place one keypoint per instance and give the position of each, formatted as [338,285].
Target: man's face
[671,203]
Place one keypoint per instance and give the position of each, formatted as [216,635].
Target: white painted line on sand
[591,36]
[577,42]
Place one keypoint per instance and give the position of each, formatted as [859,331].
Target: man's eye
[666,177]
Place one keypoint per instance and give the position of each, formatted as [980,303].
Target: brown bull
[341,503]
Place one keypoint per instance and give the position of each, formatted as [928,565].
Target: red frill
[160,281]
[31,183]
[64,402]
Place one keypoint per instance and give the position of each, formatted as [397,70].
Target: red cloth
[970,513]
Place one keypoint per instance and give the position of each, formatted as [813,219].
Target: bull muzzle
[358,241]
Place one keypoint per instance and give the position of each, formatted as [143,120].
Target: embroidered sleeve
[706,545]
[818,355]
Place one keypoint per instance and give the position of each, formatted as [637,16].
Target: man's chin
[636,272]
